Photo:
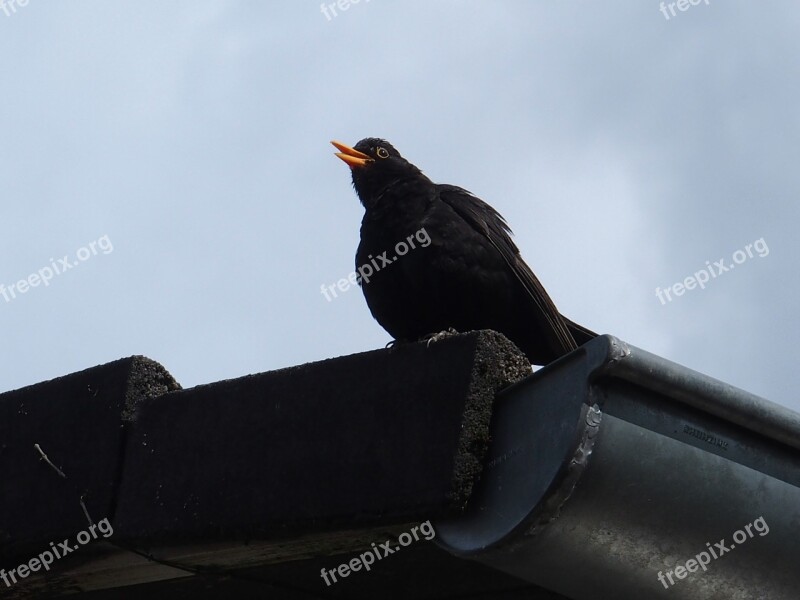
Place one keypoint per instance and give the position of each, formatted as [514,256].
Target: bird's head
[375,164]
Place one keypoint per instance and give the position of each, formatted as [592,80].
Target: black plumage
[468,276]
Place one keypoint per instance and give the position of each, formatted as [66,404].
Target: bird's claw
[435,337]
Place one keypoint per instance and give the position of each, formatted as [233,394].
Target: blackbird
[434,257]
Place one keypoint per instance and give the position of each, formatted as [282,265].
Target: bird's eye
[382,152]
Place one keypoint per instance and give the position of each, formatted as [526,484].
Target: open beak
[351,156]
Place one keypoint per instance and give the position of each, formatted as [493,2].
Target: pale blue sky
[624,149]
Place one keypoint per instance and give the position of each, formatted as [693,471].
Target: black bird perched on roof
[458,266]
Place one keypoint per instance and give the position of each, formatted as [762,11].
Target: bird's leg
[435,337]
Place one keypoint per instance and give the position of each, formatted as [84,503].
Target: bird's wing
[486,220]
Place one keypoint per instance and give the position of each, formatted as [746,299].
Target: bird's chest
[394,247]
[424,255]
[394,226]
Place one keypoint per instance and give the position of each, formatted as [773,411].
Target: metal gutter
[613,467]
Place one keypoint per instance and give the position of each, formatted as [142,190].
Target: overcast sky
[627,149]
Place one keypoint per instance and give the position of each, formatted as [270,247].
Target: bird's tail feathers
[580,333]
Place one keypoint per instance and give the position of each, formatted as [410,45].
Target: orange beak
[351,156]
